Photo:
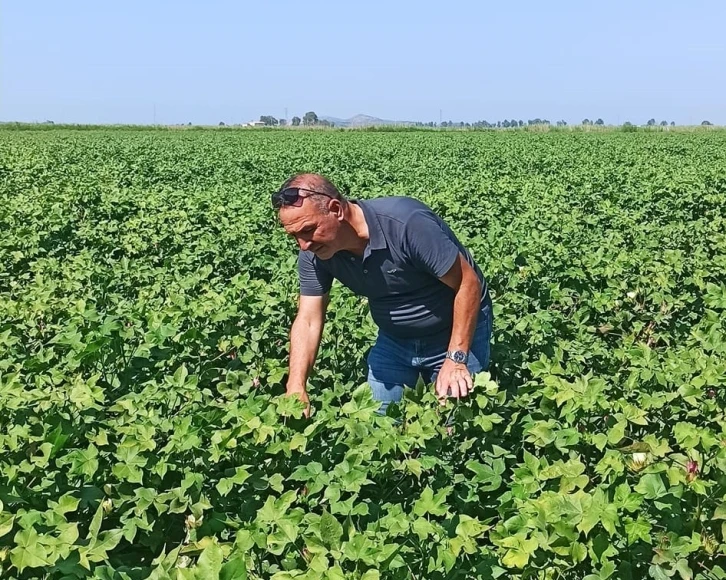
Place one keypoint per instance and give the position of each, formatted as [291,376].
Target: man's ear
[337,207]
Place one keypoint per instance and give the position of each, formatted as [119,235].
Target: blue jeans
[396,363]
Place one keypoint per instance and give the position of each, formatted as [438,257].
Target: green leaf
[432,504]
[607,570]
[130,465]
[106,541]
[84,462]
[413,466]
[684,569]
[487,476]
[651,486]
[209,564]
[275,508]
[298,441]
[627,500]
[66,504]
[515,559]
[234,569]
[609,518]
[180,375]
[578,551]
[638,530]
[469,527]
[600,440]
[658,573]
[531,462]
[6,523]
[687,435]
[95,526]
[719,514]
[617,432]
[224,486]
[331,531]
[590,519]
[519,550]
[28,553]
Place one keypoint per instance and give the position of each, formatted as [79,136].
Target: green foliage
[146,293]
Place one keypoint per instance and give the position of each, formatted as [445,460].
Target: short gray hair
[318,183]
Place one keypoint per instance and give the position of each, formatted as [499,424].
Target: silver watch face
[458,356]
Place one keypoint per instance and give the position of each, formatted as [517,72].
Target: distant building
[255,124]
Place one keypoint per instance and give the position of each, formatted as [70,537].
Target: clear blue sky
[221,60]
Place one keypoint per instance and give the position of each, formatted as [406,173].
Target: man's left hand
[453,380]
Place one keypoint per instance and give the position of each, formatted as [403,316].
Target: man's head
[314,212]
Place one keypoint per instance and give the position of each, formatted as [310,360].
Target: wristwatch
[458,356]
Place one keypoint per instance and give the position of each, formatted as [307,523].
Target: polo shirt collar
[376,241]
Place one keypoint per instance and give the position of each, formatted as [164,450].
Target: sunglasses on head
[291,196]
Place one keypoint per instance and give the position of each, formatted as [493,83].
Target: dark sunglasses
[291,196]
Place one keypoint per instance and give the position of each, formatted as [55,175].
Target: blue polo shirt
[409,249]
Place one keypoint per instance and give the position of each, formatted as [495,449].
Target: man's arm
[432,249]
[305,335]
[461,278]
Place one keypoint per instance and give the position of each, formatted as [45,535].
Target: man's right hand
[305,336]
[302,394]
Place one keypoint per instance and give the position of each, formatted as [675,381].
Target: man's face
[313,229]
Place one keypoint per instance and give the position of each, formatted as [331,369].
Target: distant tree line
[311,119]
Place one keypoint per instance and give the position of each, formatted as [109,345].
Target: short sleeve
[314,279]
[429,247]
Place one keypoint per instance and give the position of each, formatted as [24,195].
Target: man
[426,294]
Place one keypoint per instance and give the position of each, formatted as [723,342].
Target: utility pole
[154,113]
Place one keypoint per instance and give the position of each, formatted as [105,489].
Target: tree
[673,123]
[664,123]
[505,124]
[706,123]
[282,122]
[221,123]
[599,122]
[651,122]
[295,121]
[268,120]
[521,123]
[310,118]
[586,122]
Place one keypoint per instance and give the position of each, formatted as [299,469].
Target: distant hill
[362,121]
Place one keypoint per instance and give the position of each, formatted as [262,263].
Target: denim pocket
[480,350]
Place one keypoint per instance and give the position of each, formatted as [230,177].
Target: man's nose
[304,244]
